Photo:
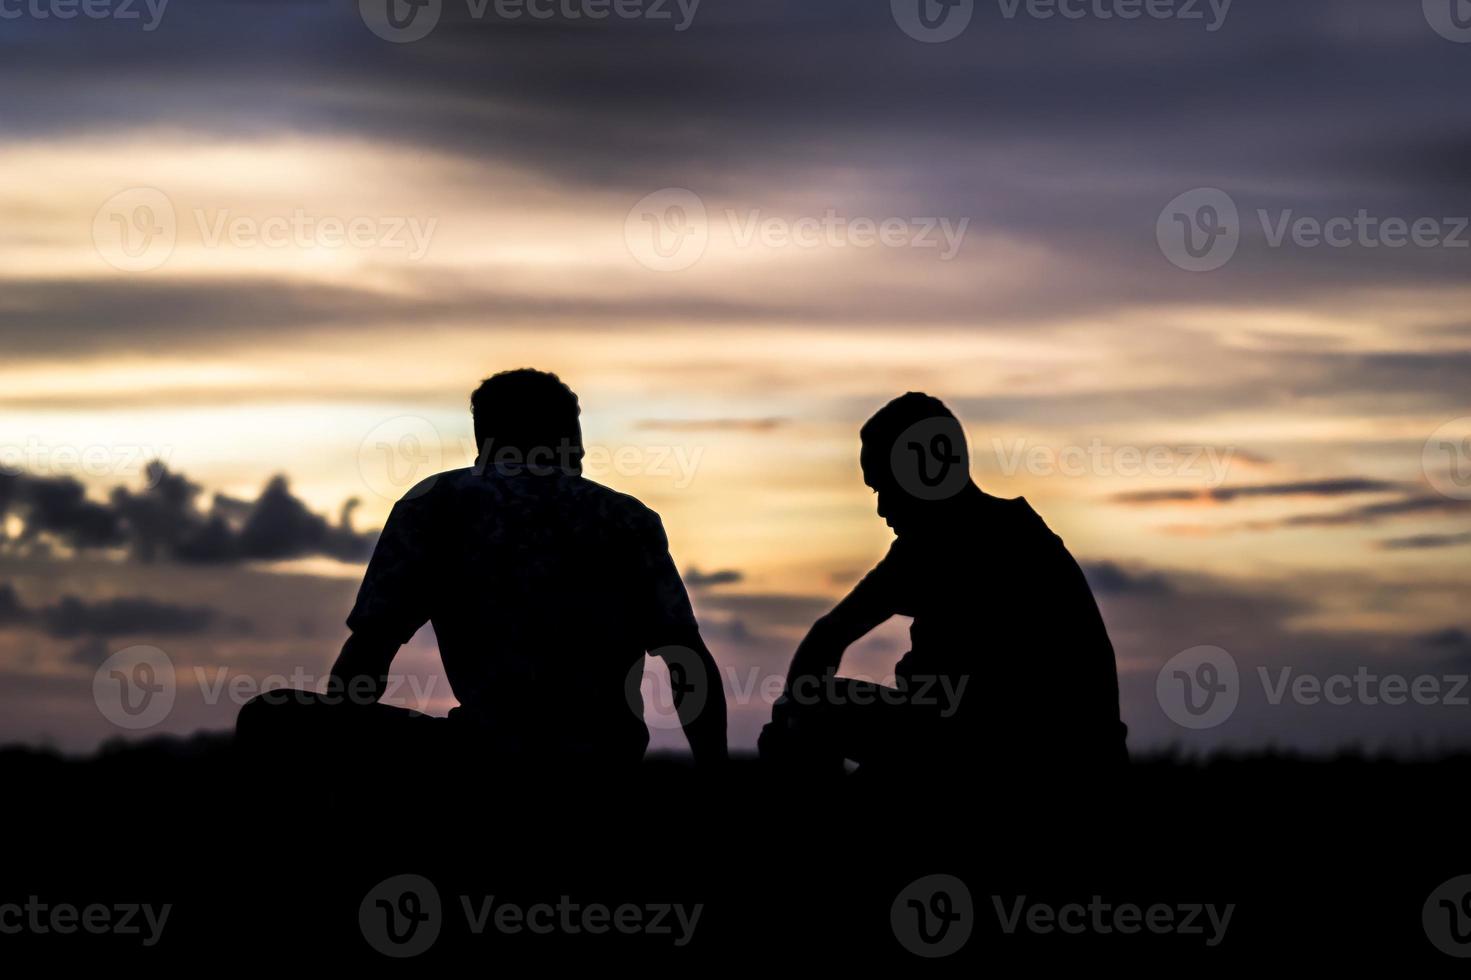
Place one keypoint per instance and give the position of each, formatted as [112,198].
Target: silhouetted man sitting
[1011,670]
[545,591]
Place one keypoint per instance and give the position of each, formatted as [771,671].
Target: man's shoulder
[1018,516]
[424,492]
[578,498]
[575,491]
[612,503]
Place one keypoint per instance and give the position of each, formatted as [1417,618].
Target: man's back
[544,591]
[1006,628]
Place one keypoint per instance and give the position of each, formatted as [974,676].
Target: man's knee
[277,714]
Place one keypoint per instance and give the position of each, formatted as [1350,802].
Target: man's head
[527,420]
[914,457]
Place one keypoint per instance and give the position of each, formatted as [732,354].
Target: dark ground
[1326,862]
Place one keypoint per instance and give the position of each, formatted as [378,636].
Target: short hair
[881,433]
[528,410]
[890,422]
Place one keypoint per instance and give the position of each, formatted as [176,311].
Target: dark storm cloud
[164,521]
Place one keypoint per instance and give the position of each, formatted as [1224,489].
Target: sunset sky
[259,240]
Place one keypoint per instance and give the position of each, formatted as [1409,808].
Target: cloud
[164,521]
[713,425]
[1454,643]
[1067,155]
[58,507]
[1344,486]
[773,611]
[1107,578]
[1451,637]
[72,616]
[696,579]
[11,609]
[1409,506]
[1417,542]
[1409,502]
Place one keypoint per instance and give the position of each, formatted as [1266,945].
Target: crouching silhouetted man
[545,590]
[1010,670]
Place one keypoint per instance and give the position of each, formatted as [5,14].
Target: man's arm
[699,699]
[672,633]
[821,651]
[360,675]
[392,602]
